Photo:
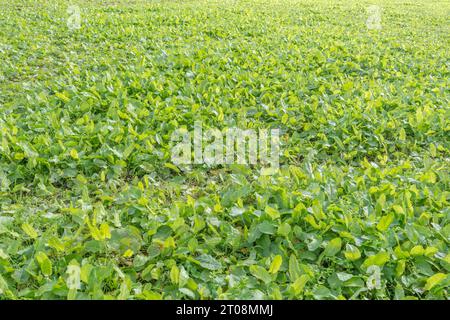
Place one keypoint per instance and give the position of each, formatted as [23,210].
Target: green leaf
[62,96]
[299,284]
[174,274]
[29,230]
[417,251]
[74,154]
[74,275]
[3,254]
[276,264]
[272,212]
[333,247]
[208,262]
[173,167]
[351,252]
[398,209]
[44,263]
[385,222]
[378,259]
[434,280]
[261,273]
[284,229]
[183,277]
[294,268]
[402,134]
[3,285]
[348,86]
[400,268]
[266,227]
[187,292]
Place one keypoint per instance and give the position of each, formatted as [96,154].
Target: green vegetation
[91,206]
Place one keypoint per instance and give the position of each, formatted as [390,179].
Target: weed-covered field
[92,207]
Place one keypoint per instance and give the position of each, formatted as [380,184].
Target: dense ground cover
[91,206]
